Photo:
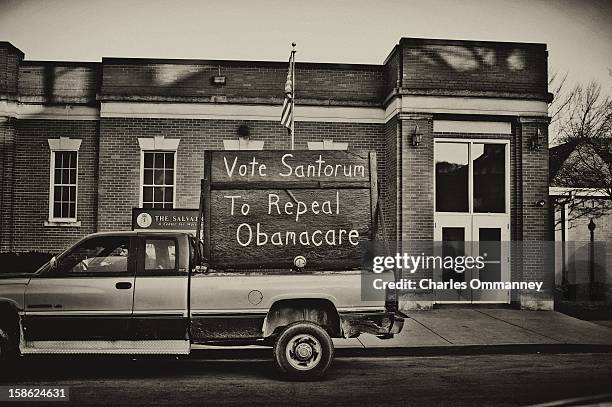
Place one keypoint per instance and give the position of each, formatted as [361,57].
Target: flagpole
[292,95]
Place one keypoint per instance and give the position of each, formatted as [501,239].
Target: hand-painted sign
[264,209]
[182,220]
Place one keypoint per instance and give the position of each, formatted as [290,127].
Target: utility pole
[592,227]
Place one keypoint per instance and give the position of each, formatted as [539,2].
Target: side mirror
[49,267]
[53,263]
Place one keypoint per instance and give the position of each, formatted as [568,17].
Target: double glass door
[485,236]
[472,217]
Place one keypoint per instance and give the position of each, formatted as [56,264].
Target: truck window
[160,254]
[100,255]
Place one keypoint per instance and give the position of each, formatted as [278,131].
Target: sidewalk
[460,327]
[462,331]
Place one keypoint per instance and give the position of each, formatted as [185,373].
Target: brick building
[81,142]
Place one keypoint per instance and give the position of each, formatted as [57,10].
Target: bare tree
[582,118]
[561,98]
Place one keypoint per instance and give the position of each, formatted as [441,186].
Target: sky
[578,32]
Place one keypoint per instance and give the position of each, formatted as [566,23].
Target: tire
[8,353]
[303,351]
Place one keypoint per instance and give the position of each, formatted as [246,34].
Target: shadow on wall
[54,83]
[476,68]
[464,59]
[578,271]
[261,82]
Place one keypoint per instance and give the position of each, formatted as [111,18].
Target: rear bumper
[380,323]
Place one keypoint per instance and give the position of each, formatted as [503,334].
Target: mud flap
[382,324]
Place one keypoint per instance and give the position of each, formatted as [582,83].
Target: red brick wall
[441,66]
[417,179]
[391,184]
[261,82]
[120,154]
[393,71]
[59,82]
[416,226]
[31,190]
[7,154]
[10,57]
[536,224]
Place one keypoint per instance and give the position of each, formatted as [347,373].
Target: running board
[226,347]
[161,347]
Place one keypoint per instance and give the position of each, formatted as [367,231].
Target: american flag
[287,114]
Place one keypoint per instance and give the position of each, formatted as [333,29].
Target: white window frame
[471,141]
[162,145]
[63,144]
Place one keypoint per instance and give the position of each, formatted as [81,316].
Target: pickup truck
[150,293]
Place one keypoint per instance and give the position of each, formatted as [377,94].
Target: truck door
[87,296]
[160,296]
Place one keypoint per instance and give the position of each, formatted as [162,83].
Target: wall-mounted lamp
[536,141]
[244,131]
[417,136]
[219,79]
[541,203]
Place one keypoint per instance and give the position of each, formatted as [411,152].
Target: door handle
[124,285]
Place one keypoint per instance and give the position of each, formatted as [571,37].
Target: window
[63,181]
[158,172]
[64,185]
[452,177]
[99,255]
[489,169]
[158,179]
[471,177]
[490,248]
[453,245]
[160,254]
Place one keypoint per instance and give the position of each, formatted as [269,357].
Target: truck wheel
[7,350]
[303,351]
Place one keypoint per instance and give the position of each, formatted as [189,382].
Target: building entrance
[472,216]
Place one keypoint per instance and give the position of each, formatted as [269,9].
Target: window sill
[69,224]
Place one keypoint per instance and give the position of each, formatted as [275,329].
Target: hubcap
[303,352]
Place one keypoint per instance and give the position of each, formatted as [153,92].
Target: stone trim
[327,145]
[64,144]
[158,143]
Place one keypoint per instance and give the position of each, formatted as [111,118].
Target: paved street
[502,379]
